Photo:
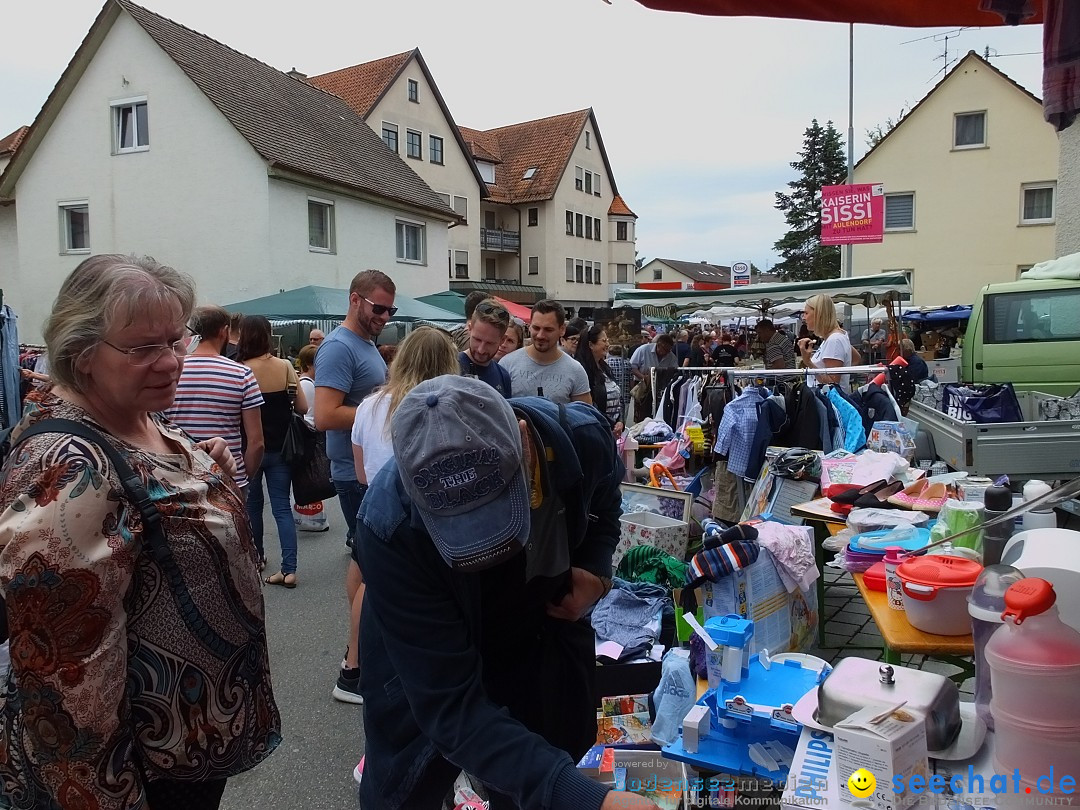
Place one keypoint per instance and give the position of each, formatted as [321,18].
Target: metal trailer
[1034,448]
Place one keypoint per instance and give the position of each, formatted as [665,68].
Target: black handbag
[304,451]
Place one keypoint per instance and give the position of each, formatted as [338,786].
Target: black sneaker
[347,690]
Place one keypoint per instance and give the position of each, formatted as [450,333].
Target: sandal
[282,579]
[907,498]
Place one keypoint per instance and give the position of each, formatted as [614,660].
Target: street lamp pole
[846,269]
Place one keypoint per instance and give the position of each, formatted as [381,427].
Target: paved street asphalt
[322,738]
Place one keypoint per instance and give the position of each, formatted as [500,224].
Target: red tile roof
[619,207]
[545,145]
[361,86]
[9,144]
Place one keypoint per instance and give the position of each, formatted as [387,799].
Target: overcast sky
[701,116]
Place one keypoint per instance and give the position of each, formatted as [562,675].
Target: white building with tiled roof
[158,140]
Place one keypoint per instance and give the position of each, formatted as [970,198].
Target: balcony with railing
[500,240]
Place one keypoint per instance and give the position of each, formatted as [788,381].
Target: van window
[1037,316]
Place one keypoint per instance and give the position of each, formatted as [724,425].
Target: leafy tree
[876,133]
[822,162]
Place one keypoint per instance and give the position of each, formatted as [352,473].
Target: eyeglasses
[495,310]
[148,355]
[379,309]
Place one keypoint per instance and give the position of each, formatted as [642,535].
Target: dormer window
[487,171]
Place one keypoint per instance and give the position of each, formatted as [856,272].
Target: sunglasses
[379,309]
[495,310]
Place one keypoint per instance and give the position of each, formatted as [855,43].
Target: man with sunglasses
[486,329]
[348,367]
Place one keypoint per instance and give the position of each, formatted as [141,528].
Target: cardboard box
[624,729]
[891,437]
[624,704]
[812,779]
[651,529]
[887,742]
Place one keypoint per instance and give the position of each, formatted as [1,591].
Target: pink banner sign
[852,214]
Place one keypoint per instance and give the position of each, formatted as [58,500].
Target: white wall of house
[560,246]
[364,236]
[534,241]
[967,230]
[195,199]
[1068,219]
[454,177]
[9,252]
[648,274]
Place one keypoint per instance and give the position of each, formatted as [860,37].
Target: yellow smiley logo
[861,783]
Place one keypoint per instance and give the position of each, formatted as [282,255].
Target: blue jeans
[350,496]
[278,480]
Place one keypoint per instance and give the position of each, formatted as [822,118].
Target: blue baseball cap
[458,449]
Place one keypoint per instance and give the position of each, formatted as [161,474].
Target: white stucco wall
[454,177]
[1068,212]
[195,200]
[9,253]
[559,246]
[365,238]
[967,201]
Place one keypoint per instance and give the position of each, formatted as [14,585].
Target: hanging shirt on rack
[735,436]
[854,432]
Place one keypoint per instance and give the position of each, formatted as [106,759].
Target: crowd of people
[480,466]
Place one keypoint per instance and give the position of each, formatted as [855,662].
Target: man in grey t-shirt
[542,368]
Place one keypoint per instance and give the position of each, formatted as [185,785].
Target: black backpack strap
[152,531]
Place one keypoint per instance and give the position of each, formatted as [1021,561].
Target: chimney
[296,74]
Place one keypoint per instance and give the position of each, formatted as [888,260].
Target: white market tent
[867,291]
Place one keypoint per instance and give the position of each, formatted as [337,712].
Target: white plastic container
[936,591]
[1045,519]
[1034,659]
[1031,748]
[894,589]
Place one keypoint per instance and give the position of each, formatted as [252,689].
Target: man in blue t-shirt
[486,328]
[348,367]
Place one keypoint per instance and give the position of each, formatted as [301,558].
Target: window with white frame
[75,226]
[579,178]
[596,272]
[596,184]
[579,225]
[461,264]
[900,211]
[414,91]
[413,139]
[588,182]
[389,134]
[588,137]
[569,223]
[596,229]
[569,269]
[588,272]
[1037,203]
[621,274]
[534,217]
[461,206]
[534,265]
[969,130]
[410,242]
[620,231]
[588,227]
[131,126]
[487,171]
[446,198]
[320,217]
[579,271]
[658,275]
[435,149]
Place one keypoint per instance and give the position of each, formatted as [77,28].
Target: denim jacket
[428,674]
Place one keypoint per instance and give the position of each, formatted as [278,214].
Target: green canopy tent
[447,299]
[318,304]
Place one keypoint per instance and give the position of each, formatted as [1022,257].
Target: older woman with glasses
[139,677]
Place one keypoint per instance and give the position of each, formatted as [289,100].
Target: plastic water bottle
[997,499]
[894,588]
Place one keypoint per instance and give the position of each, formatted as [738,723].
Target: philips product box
[812,778]
[880,742]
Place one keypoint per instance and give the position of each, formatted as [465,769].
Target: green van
[1027,333]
